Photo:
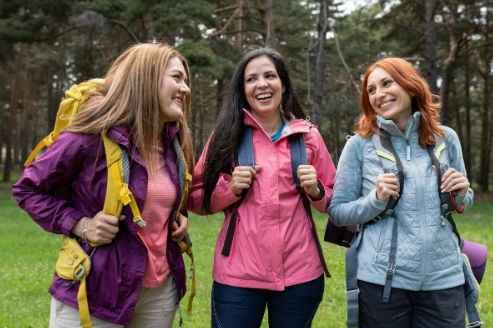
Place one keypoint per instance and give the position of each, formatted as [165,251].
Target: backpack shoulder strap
[246,157]
[298,157]
[117,192]
[246,153]
[298,154]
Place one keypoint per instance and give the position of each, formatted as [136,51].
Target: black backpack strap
[298,157]
[246,157]
[391,265]
[446,213]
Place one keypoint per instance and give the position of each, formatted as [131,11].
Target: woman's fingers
[102,228]
[387,186]
[454,180]
[242,178]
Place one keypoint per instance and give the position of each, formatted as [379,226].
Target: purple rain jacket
[117,269]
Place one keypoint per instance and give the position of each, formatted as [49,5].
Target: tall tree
[13,115]
[318,88]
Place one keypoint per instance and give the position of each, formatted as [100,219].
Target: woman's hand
[180,228]
[387,186]
[101,229]
[308,180]
[453,180]
[242,178]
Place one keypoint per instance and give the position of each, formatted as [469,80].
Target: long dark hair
[223,148]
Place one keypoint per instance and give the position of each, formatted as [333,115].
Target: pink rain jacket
[273,246]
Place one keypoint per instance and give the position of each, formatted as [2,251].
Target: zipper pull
[443,220]
[375,259]
[408,152]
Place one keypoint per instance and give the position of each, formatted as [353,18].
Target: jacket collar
[121,135]
[390,127]
[290,127]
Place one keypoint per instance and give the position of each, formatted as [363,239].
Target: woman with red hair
[409,268]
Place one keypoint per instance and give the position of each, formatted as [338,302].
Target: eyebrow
[267,72]
[381,80]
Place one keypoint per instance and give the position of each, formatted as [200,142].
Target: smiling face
[263,88]
[174,89]
[388,99]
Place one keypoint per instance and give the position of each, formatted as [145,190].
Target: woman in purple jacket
[137,277]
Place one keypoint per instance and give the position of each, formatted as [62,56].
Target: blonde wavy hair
[131,96]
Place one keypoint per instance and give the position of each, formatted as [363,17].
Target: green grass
[28,256]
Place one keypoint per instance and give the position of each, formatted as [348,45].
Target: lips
[178,100]
[264,96]
[386,104]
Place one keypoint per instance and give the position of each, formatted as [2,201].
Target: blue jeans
[238,307]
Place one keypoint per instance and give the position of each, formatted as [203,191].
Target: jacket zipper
[237,233]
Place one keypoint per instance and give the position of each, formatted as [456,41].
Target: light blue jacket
[428,258]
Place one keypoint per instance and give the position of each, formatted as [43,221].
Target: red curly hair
[424,101]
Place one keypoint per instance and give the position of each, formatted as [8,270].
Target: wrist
[84,231]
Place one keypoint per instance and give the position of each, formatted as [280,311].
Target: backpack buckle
[378,218]
[475,324]
[139,221]
[390,269]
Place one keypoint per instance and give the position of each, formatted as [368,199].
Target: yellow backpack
[73,263]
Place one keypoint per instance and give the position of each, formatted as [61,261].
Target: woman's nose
[184,88]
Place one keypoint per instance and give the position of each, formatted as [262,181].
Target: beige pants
[156,308]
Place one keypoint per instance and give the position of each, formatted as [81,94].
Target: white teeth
[176,99]
[385,104]
[264,96]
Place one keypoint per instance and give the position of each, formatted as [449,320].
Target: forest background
[46,46]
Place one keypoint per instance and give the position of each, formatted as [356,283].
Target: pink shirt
[160,199]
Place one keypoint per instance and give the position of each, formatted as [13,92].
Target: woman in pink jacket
[272,258]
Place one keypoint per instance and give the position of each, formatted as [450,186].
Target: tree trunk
[13,113]
[25,118]
[431,52]
[219,96]
[483,178]
[147,25]
[448,63]
[239,24]
[318,89]
[50,100]
[467,144]
[268,24]
[201,117]
[445,92]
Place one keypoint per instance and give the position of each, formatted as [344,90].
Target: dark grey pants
[444,308]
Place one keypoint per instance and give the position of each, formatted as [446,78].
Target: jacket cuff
[322,193]
[377,204]
[69,222]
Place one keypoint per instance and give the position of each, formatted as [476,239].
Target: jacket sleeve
[457,162]
[57,167]
[326,171]
[348,206]
[222,196]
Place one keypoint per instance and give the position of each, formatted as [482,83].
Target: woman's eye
[386,83]
[371,90]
